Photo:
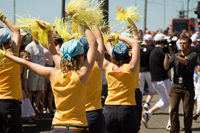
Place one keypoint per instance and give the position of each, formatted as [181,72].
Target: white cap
[23,32]
[174,38]
[148,37]
[159,37]
[195,36]
[193,39]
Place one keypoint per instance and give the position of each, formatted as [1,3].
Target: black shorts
[138,107]
[10,116]
[96,121]
[121,119]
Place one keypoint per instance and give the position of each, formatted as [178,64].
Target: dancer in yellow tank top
[69,82]
[94,115]
[10,84]
[119,110]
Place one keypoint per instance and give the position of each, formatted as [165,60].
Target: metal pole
[145,14]
[14,11]
[164,17]
[105,7]
[187,8]
[63,10]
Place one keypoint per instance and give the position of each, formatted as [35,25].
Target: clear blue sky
[47,10]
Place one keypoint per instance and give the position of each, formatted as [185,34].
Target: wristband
[4,19]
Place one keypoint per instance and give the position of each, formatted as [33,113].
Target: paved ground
[158,121]
[156,124]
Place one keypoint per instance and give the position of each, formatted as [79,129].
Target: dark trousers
[10,116]
[187,96]
[96,121]
[121,119]
[138,107]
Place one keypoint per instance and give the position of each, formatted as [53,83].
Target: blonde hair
[74,64]
[23,52]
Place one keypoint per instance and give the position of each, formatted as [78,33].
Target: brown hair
[125,60]
[74,64]
[187,39]
[7,42]
[23,52]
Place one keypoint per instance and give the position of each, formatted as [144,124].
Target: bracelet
[4,19]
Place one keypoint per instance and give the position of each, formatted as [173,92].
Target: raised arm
[53,51]
[46,72]
[99,39]
[135,52]
[52,48]
[88,64]
[133,27]
[16,35]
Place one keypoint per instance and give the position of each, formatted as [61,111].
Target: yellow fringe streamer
[75,27]
[83,10]
[1,13]
[2,57]
[35,34]
[30,24]
[129,13]
[62,28]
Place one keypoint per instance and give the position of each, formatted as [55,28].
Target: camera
[165,49]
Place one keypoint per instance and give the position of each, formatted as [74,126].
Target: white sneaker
[146,106]
[145,118]
[168,127]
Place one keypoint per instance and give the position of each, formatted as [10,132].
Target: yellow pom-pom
[116,37]
[82,10]
[129,13]
[62,28]
[30,24]
[1,13]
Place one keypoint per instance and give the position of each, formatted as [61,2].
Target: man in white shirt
[36,82]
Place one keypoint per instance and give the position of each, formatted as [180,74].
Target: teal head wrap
[71,48]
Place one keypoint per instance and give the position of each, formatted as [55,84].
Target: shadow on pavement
[43,125]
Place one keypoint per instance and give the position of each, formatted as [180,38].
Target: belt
[69,127]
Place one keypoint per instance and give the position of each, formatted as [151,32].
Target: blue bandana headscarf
[4,36]
[120,50]
[71,48]
[84,41]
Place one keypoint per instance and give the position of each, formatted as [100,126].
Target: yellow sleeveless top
[121,86]
[94,87]
[10,81]
[137,86]
[69,93]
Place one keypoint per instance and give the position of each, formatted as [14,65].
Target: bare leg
[43,96]
[149,97]
[50,98]
[31,95]
[154,108]
[37,101]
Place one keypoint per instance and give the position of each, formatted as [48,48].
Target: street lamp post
[14,11]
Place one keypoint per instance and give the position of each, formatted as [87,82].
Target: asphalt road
[156,124]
